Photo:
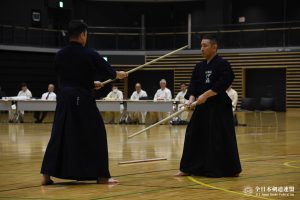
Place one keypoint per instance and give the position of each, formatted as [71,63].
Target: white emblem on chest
[207,76]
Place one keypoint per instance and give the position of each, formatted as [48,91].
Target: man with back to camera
[78,146]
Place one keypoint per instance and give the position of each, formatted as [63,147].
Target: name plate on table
[112,106]
[36,105]
[149,106]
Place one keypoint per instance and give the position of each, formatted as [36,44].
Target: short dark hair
[23,85]
[76,27]
[212,38]
[182,84]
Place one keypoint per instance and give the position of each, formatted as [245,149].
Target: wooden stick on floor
[149,63]
[141,161]
[158,123]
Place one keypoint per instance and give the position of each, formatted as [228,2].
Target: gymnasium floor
[270,159]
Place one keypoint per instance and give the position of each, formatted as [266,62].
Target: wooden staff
[148,63]
[158,123]
[141,161]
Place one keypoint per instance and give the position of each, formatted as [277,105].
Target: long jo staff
[160,122]
[148,63]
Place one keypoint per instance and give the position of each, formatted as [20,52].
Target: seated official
[50,95]
[114,95]
[181,101]
[23,94]
[138,94]
[233,95]
[162,94]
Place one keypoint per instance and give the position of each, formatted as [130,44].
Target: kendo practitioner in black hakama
[210,147]
[78,146]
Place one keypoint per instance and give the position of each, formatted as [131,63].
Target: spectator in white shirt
[114,95]
[47,96]
[136,95]
[162,94]
[233,95]
[182,118]
[23,94]
[180,96]
[25,91]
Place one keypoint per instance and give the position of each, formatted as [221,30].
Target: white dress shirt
[233,95]
[26,94]
[21,96]
[51,96]
[136,96]
[115,95]
[180,97]
[164,94]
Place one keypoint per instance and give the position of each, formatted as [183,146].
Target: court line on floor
[170,188]
[123,175]
[145,173]
[6,190]
[21,188]
[239,193]
[31,198]
[130,193]
[251,177]
[288,164]
[223,189]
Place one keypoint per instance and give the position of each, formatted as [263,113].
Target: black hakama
[210,147]
[78,146]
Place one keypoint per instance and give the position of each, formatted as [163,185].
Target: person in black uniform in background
[210,147]
[78,146]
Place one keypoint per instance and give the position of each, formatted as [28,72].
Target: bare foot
[46,180]
[107,181]
[180,173]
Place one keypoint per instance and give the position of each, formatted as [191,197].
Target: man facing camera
[162,94]
[50,96]
[136,96]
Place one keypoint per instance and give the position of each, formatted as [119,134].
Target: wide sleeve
[191,89]
[225,77]
[102,67]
